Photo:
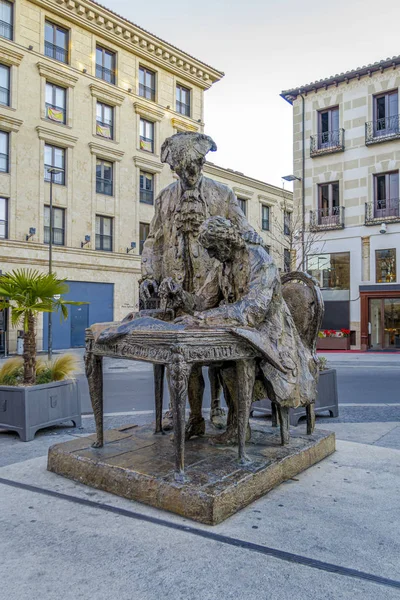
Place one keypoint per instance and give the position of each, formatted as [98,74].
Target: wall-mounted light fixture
[32,232]
[130,90]
[383,228]
[291,178]
[87,240]
[84,70]
[30,47]
[133,246]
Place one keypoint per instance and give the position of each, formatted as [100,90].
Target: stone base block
[138,465]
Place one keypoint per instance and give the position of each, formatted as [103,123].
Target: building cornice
[245,194]
[122,32]
[148,165]
[106,152]
[8,123]
[184,124]
[9,56]
[54,136]
[106,95]
[56,74]
[148,111]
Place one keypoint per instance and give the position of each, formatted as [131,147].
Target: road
[363,379]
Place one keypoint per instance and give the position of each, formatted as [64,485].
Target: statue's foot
[168,421]
[230,437]
[195,426]
[218,418]
[97,444]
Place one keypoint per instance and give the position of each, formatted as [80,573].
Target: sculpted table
[175,349]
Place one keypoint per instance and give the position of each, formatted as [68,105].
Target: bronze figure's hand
[171,291]
[188,320]
[147,288]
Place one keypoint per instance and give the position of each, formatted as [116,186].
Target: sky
[264,47]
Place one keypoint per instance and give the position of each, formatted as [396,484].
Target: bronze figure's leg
[217,413]
[196,424]
[283,412]
[310,414]
[178,372]
[94,374]
[159,393]
[274,414]
[245,377]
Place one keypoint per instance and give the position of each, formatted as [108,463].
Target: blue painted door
[100,308]
[79,322]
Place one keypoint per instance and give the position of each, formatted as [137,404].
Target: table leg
[159,394]
[245,377]
[178,372]
[310,412]
[94,374]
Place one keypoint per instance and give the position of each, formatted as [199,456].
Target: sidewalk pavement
[329,533]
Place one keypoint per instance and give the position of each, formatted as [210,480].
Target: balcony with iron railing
[387,210]
[382,130]
[105,74]
[146,91]
[56,52]
[55,113]
[6,30]
[58,236]
[147,196]
[327,143]
[324,219]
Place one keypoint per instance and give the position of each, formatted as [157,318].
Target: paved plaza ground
[330,533]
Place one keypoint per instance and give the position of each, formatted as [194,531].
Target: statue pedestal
[138,465]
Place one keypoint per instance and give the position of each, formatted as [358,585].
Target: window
[328,128]
[286,222]
[6,19]
[104,177]
[328,203]
[3,218]
[265,217]
[105,64]
[56,42]
[58,226]
[183,100]
[243,205]
[4,155]
[386,110]
[56,103]
[4,85]
[386,195]
[54,158]
[146,188]
[147,84]
[332,271]
[385,261]
[105,120]
[146,135]
[104,239]
[287,262]
[144,229]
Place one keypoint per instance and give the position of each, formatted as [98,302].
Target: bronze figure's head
[185,153]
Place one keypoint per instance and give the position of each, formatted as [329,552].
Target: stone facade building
[92,95]
[346,153]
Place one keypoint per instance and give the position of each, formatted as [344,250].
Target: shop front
[380,317]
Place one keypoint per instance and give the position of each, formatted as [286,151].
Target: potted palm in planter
[33,394]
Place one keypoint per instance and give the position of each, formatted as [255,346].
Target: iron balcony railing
[382,130]
[105,74]
[3,162]
[147,92]
[56,52]
[6,30]
[4,96]
[327,218]
[103,242]
[55,113]
[58,236]
[382,210]
[3,229]
[58,178]
[104,186]
[183,108]
[327,142]
[147,196]
[104,129]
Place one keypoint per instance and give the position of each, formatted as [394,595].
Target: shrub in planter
[33,394]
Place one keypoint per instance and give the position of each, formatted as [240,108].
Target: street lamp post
[53,171]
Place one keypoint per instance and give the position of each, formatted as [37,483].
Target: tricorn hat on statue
[187,145]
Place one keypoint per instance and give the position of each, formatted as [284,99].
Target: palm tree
[28,293]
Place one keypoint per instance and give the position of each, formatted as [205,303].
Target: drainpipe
[303,170]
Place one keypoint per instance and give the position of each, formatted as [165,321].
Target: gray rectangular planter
[327,399]
[28,409]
